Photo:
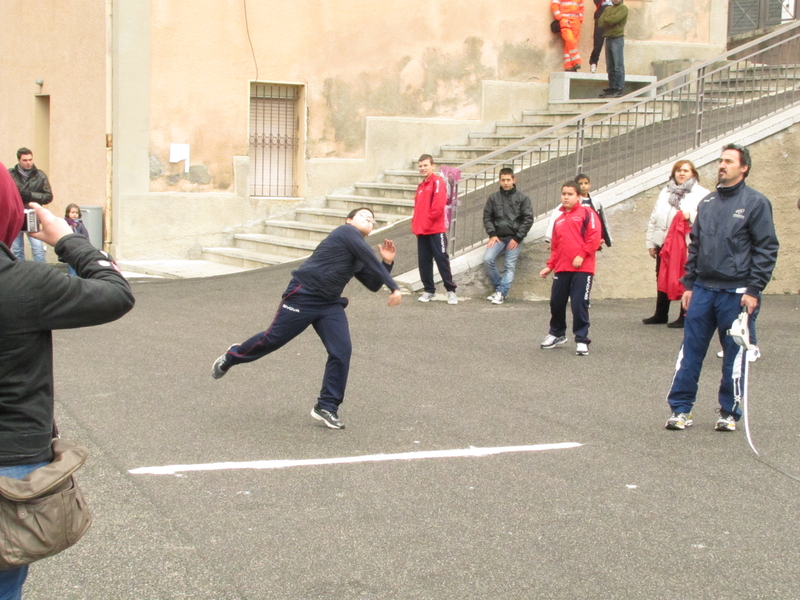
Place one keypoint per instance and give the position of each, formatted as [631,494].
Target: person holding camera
[33,186]
[34,300]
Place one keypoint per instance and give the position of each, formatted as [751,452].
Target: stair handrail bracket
[643,130]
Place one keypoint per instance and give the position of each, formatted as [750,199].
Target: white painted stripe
[281,464]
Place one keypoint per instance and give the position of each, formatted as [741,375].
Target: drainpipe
[109,201]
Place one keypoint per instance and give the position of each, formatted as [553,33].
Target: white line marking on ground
[281,464]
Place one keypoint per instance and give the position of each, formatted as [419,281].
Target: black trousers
[598,45]
[431,248]
[574,287]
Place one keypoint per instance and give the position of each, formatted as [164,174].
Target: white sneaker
[492,296]
[452,298]
[498,298]
[720,354]
[552,341]
[581,349]
[426,297]
[592,68]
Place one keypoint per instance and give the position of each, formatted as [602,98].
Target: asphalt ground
[635,511]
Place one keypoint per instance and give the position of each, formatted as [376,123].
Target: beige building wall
[411,59]
[62,43]
[381,82]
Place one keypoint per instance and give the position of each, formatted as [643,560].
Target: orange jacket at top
[569,14]
[567,9]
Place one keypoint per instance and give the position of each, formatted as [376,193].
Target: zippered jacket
[575,233]
[508,214]
[733,243]
[36,185]
[35,299]
[567,9]
[429,203]
[663,213]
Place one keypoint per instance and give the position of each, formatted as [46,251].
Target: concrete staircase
[392,197]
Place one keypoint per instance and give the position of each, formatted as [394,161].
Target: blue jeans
[502,283]
[709,310]
[11,580]
[615,62]
[18,249]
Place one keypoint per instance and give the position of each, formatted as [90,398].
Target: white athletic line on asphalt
[281,464]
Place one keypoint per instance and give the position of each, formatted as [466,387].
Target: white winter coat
[664,213]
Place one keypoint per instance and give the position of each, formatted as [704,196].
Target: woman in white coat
[682,194]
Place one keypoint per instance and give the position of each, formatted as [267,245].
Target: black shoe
[331,419]
[676,324]
[616,94]
[655,320]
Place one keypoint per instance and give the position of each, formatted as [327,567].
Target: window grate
[273,139]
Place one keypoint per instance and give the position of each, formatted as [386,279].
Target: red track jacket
[575,233]
[429,204]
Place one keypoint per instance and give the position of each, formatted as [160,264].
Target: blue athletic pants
[298,310]
[431,248]
[575,287]
[709,310]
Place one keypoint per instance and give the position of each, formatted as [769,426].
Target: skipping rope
[740,333]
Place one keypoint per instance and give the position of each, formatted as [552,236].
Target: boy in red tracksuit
[576,239]
[428,223]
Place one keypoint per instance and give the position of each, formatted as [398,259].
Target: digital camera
[31,220]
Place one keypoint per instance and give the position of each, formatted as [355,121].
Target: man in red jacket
[576,238]
[428,224]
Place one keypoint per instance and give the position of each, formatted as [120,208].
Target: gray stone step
[298,229]
[275,245]
[396,206]
[244,259]
[387,190]
[337,216]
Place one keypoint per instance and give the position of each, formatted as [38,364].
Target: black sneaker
[331,419]
[221,366]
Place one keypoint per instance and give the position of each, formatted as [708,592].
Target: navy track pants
[431,248]
[709,310]
[575,287]
[298,310]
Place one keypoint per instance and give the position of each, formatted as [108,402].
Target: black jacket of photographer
[36,188]
[508,214]
[35,298]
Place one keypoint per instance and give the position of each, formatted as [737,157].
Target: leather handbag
[43,513]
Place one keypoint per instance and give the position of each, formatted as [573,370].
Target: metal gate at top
[751,15]
[273,139]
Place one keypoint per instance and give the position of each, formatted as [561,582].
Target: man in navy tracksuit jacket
[732,254]
[314,297]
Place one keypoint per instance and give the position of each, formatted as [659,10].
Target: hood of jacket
[10,208]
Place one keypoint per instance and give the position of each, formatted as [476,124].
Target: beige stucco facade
[379,83]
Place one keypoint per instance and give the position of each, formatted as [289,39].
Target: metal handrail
[619,140]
